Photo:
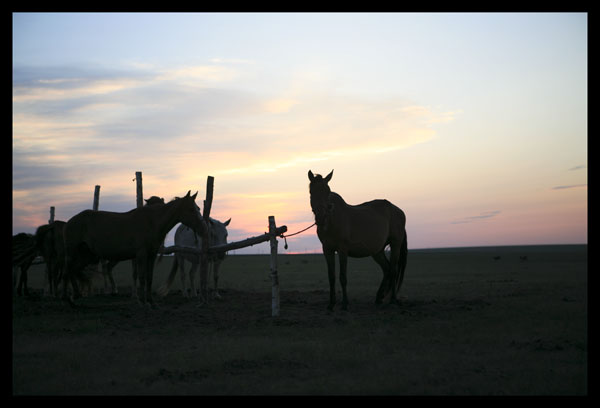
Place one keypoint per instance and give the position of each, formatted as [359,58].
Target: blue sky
[468,122]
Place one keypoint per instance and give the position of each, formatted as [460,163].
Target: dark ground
[467,325]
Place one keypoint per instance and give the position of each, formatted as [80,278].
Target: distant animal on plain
[497,258]
[138,234]
[185,237]
[359,231]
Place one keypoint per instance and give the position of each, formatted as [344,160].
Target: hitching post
[274,277]
[96,198]
[210,182]
[51,220]
[139,202]
[139,195]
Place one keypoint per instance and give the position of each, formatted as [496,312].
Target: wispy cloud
[482,216]
[569,186]
[580,167]
[77,127]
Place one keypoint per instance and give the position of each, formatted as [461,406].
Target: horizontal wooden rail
[226,247]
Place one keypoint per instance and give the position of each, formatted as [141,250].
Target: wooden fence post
[96,198]
[138,191]
[210,182]
[51,220]
[274,276]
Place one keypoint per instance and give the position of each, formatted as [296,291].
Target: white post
[274,276]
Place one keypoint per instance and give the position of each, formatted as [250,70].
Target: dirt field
[467,325]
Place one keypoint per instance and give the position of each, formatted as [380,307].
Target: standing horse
[186,237]
[137,234]
[359,231]
[23,254]
[50,244]
[107,266]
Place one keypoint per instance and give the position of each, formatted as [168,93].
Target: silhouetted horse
[23,254]
[359,231]
[137,234]
[185,237]
[50,245]
[107,266]
[47,242]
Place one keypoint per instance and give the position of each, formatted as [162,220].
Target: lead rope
[295,233]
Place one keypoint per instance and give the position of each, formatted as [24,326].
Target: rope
[295,233]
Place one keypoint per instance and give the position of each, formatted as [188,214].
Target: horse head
[154,200]
[189,213]
[218,234]
[319,196]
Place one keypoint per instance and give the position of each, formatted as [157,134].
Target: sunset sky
[474,124]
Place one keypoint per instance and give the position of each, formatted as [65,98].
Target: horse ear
[311,176]
[226,223]
[329,176]
[188,193]
[194,196]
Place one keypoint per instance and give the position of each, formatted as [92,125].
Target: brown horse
[359,231]
[137,234]
[107,266]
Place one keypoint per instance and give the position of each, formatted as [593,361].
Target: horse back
[109,235]
[363,229]
[380,210]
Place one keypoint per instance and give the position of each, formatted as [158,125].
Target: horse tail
[164,289]
[24,249]
[402,262]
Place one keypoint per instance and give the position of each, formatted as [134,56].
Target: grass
[467,325]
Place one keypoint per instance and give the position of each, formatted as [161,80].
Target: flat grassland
[468,324]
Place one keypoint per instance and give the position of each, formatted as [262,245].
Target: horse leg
[343,278]
[402,262]
[141,269]
[393,274]
[149,274]
[52,272]
[383,262]
[47,280]
[22,289]
[66,273]
[193,269]
[134,279]
[181,262]
[204,278]
[107,272]
[216,266]
[14,278]
[330,258]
